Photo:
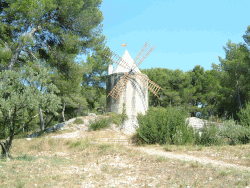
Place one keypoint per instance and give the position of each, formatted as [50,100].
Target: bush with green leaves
[161,125]
[99,123]
[115,118]
[210,135]
[244,115]
[235,133]
[118,118]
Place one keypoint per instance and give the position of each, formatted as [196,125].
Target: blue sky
[186,32]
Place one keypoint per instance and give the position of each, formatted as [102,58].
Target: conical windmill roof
[128,59]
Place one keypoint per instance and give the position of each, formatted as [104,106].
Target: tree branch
[20,46]
[29,52]
[47,124]
[18,131]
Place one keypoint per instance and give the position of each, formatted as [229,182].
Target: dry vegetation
[238,154]
[88,159]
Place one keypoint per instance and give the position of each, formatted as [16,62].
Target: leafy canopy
[54,31]
[21,94]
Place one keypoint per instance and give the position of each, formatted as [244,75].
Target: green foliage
[99,123]
[172,81]
[51,34]
[189,89]
[161,125]
[21,94]
[234,74]
[210,135]
[78,121]
[197,75]
[236,133]
[244,115]
[70,90]
[124,114]
[118,118]
[94,79]
[115,118]
[53,31]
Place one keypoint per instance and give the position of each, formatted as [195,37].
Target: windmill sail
[116,59]
[153,87]
[145,51]
[131,68]
[119,87]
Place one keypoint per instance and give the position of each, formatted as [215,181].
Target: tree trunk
[16,55]
[47,124]
[238,92]
[41,119]
[4,150]
[6,145]
[63,111]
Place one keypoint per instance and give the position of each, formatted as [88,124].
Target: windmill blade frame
[145,51]
[153,87]
[121,84]
[116,59]
[119,87]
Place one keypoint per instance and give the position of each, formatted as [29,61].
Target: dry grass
[239,154]
[90,161]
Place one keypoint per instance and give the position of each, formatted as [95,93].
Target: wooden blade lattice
[149,83]
[121,84]
[145,51]
[119,87]
[116,59]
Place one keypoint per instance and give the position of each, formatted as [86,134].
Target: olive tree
[21,94]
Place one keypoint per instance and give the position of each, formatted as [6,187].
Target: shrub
[123,115]
[244,115]
[236,133]
[210,135]
[118,118]
[115,118]
[99,123]
[161,125]
[78,121]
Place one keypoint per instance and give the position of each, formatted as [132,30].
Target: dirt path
[185,157]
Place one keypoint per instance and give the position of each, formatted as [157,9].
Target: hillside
[76,157]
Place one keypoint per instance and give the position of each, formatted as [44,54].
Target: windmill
[132,70]
[126,84]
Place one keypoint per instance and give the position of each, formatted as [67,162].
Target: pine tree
[51,31]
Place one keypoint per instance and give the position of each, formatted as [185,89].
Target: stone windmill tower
[127,85]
